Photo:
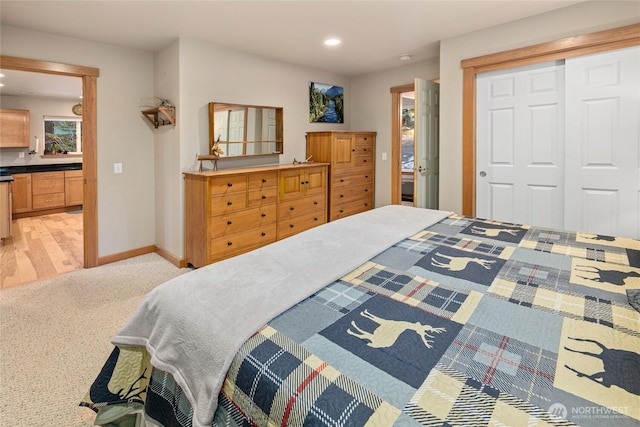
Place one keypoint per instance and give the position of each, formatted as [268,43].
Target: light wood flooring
[41,247]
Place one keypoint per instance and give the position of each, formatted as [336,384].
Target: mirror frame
[279,142]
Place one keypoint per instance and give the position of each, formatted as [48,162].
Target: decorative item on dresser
[351,156]
[232,211]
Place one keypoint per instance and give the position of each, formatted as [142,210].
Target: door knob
[483,174]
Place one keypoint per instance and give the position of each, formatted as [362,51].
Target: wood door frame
[89,78]
[602,41]
[396,140]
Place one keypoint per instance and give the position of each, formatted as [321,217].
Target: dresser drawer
[265,196]
[364,149]
[293,225]
[47,186]
[228,246]
[362,160]
[228,184]
[357,176]
[300,207]
[228,203]
[222,225]
[263,180]
[46,201]
[350,208]
[349,194]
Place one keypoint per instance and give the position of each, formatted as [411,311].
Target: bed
[394,317]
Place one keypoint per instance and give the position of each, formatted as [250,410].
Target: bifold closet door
[602,140]
[520,145]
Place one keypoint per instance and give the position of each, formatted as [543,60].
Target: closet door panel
[602,137]
[520,145]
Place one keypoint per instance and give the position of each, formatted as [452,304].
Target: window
[62,135]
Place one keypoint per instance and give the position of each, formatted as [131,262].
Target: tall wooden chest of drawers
[232,211]
[351,156]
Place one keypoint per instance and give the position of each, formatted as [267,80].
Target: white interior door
[602,156]
[520,145]
[427,148]
[236,131]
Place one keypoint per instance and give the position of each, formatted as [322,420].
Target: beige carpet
[55,335]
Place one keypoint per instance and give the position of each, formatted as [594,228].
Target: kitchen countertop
[6,178]
[9,170]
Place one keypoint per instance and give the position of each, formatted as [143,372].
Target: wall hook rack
[161,115]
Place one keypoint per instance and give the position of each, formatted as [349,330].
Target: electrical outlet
[384,156]
[117,168]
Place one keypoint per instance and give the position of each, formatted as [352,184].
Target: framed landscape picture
[326,103]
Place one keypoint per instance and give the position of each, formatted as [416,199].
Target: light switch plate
[117,168]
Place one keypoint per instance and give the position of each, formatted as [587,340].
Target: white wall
[38,108]
[583,18]
[207,73]
[126,214]
[371,111]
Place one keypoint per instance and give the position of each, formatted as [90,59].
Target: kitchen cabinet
[47,190]
[38,192]
[73,188]
[21,193]
[5,209]
[14,128]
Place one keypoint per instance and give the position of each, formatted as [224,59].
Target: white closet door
[602,143]
[520,145]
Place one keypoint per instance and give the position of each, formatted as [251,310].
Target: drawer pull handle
[291,208]
[229,203]
[229,243]
[229,222]
[263,215]
[341,210]
[366,190]
[264,179]
[315,219]
[342,180]
[230,184]
[366,204]
[290,225]
[315,202]
[341,196]
[264,197]
[263,234]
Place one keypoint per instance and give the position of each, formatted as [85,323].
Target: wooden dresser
[351,156]
[232,211]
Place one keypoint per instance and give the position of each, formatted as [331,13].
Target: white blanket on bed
[194,324]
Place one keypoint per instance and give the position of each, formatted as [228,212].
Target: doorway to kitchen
[89,77]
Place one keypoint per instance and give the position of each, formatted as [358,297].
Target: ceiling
[374,34]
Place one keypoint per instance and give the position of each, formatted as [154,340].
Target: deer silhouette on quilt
[620,367]
[493,232]
[613,277]
[455,263]
[387,333]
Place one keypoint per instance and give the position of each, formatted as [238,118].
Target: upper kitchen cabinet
[14,128]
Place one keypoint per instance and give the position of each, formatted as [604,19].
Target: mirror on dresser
[245,130]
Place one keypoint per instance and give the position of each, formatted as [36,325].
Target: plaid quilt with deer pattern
[469,322]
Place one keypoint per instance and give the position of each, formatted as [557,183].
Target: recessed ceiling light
[405,57]
[332,42]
